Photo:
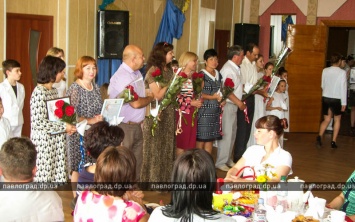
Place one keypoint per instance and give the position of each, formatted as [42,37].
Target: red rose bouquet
[197,80]
[65,112]
[170,95]
[227,89]
[128,94]
[158,77]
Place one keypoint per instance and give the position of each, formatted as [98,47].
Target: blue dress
[208,122]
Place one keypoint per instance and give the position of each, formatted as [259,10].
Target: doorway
[28,37]
[222,43]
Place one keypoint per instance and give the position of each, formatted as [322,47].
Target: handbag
[240,172]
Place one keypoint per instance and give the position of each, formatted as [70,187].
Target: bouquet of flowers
[65,112]
[197,79]
[128,94]
[250,89]
[264,174]
[170,96]
[158,77]
[266,80]
[227,89]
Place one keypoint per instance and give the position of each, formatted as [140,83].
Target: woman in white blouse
[268,151]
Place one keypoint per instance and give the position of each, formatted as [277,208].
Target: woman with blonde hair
[188,102]
[85,96]
[62,85]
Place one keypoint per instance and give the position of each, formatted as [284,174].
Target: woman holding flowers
[86,98]
[46,135]
[260,101]
[208,126]
[159,150]
[267,154]
[189,102]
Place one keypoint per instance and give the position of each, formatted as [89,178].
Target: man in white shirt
[18,167]
[249,74]
[230,70]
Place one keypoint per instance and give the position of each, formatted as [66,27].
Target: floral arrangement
[197,80]
[170,96]
[227,89]
[266,80]
[65,112]
[264,174]
[158,77]
[128,94]
[262,82]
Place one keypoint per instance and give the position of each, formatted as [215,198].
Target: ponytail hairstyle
[271,122]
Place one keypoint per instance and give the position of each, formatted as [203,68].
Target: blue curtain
[285,24]
[107,67]
[171,24]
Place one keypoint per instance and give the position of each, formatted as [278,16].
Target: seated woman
[345,201]
[114,164]
[194,165]
[268,151]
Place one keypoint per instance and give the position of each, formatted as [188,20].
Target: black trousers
[243,129]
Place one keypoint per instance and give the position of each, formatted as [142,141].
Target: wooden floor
[309,163]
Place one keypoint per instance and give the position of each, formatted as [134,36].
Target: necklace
[83,85]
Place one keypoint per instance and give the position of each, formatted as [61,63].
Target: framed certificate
[50,104]
[111,109]
[274,81]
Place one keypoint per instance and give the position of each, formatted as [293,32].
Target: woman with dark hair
[334,90]
[159,150]
[193,166]
[51,158]
[268,152]
[85,96]
[115,166]
[208,119]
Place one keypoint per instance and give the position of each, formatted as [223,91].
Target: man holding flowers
[133,112]
[230,70]
[249,75]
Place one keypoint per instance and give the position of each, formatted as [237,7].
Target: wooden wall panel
[211,4]
[224,15]
[182,44]
[82,35]
[308,44]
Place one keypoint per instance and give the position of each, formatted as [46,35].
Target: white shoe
[223,167]
[230,163]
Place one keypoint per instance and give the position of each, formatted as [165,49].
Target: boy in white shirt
[13,95]
[5,127]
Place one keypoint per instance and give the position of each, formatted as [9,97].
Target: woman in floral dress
[188,102]
[48,136]
[86,98]
[208,123]
[159,150]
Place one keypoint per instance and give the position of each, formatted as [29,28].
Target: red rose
[135,96]
[183,75]
[201,75]
[267,79]
[156,73]
[229,83]
[69,110]
[59,113]
[195,75]
[59,103]
[131,88]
